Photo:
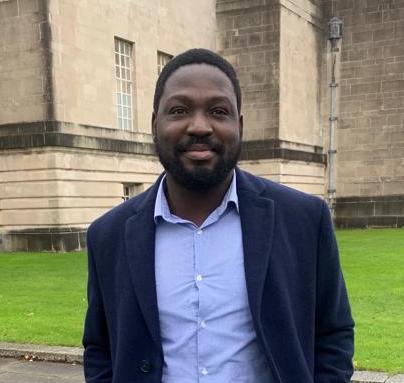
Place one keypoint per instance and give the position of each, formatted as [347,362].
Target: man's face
[197,129]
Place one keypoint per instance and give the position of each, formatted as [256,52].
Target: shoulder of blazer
[285,199]
[115,219]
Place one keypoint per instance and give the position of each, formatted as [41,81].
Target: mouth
[199,152]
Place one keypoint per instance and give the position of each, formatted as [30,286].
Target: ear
[241,125]
[153,125]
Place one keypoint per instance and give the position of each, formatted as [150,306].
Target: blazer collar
[257,223]
[257,215]
[140,241]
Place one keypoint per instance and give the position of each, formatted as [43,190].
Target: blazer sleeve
[97,355]
[334,341]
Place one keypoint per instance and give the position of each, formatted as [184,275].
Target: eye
[177,110]
[219,112]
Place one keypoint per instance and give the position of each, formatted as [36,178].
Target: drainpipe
[334,35]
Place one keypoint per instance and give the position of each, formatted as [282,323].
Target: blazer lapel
[140,240]
[257,222]
[257,216]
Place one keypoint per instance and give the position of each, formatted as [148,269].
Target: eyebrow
[184,98]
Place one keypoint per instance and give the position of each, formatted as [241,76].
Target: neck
[195,205]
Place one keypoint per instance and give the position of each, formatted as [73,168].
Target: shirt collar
[161,208]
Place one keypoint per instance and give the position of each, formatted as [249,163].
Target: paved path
[54,364]
[21,371]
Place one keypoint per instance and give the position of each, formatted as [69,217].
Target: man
[213,275]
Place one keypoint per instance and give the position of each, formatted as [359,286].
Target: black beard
[200,178]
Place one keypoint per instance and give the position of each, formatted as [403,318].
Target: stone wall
[301,45]
[48,196]
[370,179]
[305,177]
[248,36]
[276,48]
[83,52]
[25,93]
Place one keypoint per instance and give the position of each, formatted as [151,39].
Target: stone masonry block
[399,30]
[270,37]
[358,54]
[395,68]
[239,41]
[373,17]
[251,19]
[373,71]
[348,71]
[8,9]
[254,39]
[393,86]
[372,105]
[384,34]
[344,4]
[28,6]
[378,121]
[375,53]
[372,87]
[360,37]
[394,50]
[245,59]
[351,106]
[257,77]
[258,58]
[395,103]
[225,22]
[395,119]
[393,14]
[268,17]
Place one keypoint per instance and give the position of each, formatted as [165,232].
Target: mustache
[210,144]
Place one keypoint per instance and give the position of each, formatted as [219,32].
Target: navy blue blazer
[295,288]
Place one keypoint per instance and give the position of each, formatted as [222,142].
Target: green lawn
[373,263]
[42,296]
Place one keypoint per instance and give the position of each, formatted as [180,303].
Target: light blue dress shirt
[205,321]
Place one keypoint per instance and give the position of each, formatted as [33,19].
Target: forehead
[199,78]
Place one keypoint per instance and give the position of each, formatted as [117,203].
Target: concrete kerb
[42,353]
[376,377]
[75,355]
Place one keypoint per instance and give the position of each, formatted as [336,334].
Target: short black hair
[196,56]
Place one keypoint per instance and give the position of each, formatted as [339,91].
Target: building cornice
[51,134]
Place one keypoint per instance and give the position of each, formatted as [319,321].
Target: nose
[199,125]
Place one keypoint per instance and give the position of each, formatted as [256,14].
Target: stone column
[276,48]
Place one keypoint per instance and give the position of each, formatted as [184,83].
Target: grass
[373,263]
[43,299]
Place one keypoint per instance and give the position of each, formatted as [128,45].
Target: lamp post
[335,30]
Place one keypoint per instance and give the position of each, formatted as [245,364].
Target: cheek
[231,138]
[171,133]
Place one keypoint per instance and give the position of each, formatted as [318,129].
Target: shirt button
[203,324]
[199,232]
[204,371]
[145,366]
[199,277]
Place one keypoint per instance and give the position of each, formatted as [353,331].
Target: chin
[200,178]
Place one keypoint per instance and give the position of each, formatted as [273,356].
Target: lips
[199,152]
[199,155]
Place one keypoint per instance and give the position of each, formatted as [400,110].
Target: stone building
[76,87]
[370,164]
